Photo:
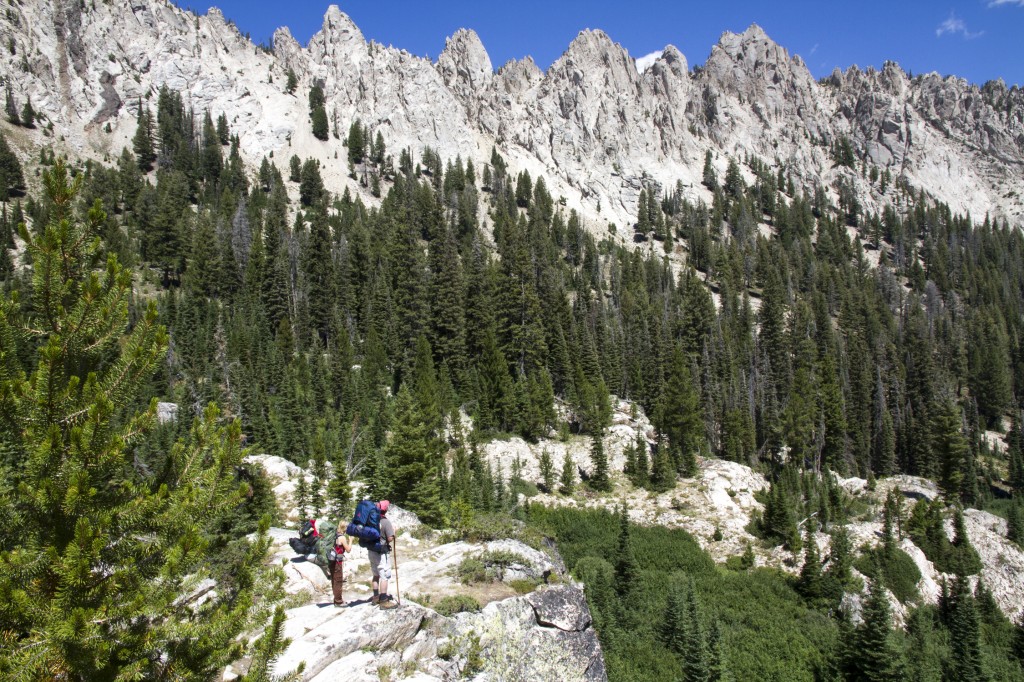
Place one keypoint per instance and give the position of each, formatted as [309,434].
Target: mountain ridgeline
[353,249]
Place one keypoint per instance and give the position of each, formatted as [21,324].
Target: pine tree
[11,177]
[710,179]
[627,571]
[663,472]
[547,471]
[873,655]
[695,647]
[568,478]
[142,143]
[357,139]
[675,622]
[12,107]
[321,126]
[810,581]
[107,556]
[950,447]
[1015,521]
[1018,639]
[964,560]
[599,479]
[680,413]
[413,458]
[291,82]
[28,114]
[965,633]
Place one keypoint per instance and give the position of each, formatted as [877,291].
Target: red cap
[383,506]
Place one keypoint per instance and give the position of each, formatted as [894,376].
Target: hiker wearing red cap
[380,561]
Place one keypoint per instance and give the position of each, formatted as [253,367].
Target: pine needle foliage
[102,565]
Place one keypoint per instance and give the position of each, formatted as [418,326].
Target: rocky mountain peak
[593,124]
[339,43]
[670,62]
[464,64]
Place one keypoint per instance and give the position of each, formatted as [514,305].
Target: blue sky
[975,39]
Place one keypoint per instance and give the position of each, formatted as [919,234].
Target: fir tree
[680,415]
[11,177]
[964,560]
[28,114]
[627,571]
[599,479]
[413,458]
[1015,521]
[12,107]
[810,581]
[949,447]
[320,124]
[107,556]
[291,82]
[142,143]
[873,655]
[965,633]
[357,139]
[547,471]
[568,478]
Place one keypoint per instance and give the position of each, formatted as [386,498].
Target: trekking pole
[398,592]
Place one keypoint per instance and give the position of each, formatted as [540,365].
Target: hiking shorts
[380,564]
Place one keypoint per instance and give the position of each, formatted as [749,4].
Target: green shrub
[472,570]
[458,603]
[768,632]
[524,586]
[898,571]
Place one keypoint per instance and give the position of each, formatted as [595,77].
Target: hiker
[380,559]
[336,567]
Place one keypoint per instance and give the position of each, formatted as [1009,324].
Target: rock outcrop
[597,127]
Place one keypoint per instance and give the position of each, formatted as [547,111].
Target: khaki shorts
[380,564]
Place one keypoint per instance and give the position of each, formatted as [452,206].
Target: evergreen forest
[780,326]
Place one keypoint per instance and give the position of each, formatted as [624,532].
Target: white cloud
[645,62]
[955,24]
[813,50]
[1000,3]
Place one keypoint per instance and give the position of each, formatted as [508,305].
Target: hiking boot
[388,604]
[375,599]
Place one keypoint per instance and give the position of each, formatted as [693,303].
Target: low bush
[458,603]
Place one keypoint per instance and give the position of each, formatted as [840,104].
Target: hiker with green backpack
[377,534]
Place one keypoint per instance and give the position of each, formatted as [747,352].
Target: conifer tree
[964,560]
[28,114]
[675,622]
[1018,639]
[11,107]
[949,447]
[357,139]
[98,580]
[663,471]
[680,415]
[810,582]
[627,571]
[965,633]
[291,82]
[11,177]
[568,478]
[873,655]
[599,479]
[695,647]
[413,459]
[1015,521]
[547,471]
[142,143]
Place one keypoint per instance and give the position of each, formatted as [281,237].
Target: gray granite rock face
[594,125]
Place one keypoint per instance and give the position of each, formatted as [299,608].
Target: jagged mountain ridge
[593,124]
